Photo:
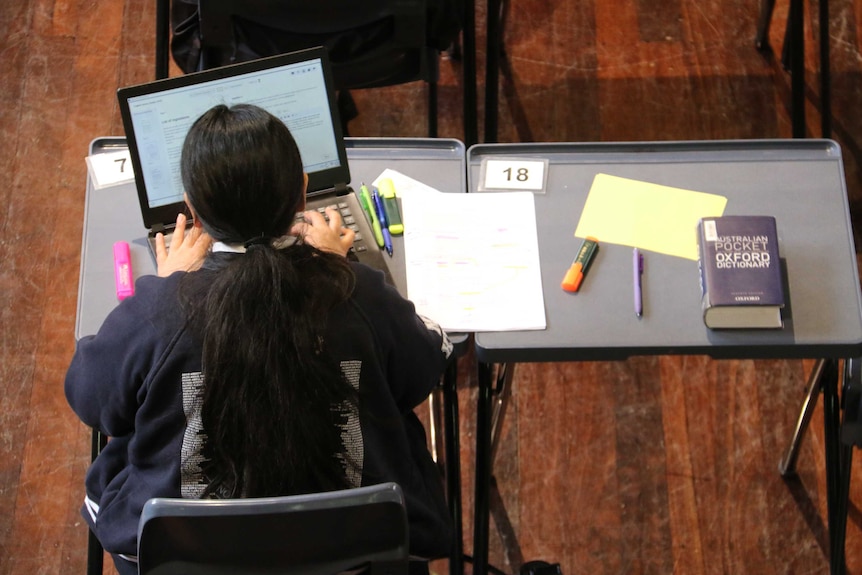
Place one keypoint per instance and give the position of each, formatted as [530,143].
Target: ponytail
[272,394]
[273,399]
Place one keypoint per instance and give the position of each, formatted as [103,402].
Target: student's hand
[329,236]
[187,250]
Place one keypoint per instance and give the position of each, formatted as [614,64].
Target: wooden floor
[653,465]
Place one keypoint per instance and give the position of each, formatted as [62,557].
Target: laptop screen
[295,87]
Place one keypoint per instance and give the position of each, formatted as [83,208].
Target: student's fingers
[179,231]
[161,248]
[335,221]
[314,218]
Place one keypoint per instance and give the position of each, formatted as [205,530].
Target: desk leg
[481,509]
[453,464]
[837,560]
[832,425]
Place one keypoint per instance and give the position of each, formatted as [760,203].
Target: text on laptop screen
[295,93]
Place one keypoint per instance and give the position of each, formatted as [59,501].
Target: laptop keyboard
[349,220]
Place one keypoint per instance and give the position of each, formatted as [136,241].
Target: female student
[260,361]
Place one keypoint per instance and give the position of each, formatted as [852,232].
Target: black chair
[793,60]
[851,436]
[371,44]
[317,534]
[842,416]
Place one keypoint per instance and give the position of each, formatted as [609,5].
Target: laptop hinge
[156,229]
[341,189]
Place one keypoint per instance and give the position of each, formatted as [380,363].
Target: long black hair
[272,395]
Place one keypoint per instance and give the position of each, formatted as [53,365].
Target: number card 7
[513,174]
[110,169]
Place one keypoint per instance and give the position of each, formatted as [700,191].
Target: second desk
[800,182]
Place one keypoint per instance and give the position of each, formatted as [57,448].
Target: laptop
[296,87]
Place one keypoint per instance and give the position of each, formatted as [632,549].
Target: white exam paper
[473,260]
[404,185]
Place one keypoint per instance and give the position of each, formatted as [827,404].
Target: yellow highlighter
[390,204]
[573,277]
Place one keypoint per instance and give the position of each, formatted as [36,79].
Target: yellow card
[647,216]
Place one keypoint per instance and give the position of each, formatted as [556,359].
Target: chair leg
[839,457]
[468,66]
[95,553]
[163,27]
[787,466]
[849,438]
[796,55]
[492,70]
[792,58]
[825,75]
[505,374]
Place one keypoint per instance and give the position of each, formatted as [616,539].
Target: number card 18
[513,174]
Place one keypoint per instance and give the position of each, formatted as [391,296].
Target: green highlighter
[371,213]
[390,204]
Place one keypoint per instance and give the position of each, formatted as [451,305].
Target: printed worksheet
[473,260]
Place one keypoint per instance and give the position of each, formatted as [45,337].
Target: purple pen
[638,270]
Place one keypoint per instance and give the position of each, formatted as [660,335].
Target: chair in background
[851,436]
[372,44]
[845,415]
[316,534]
[793,60]
[495,24]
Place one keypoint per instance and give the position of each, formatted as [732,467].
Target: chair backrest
[372,43]
[316,534]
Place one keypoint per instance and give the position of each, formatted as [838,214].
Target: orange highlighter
[572,280]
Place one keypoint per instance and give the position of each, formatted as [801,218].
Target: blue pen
[384,224]
[637,271]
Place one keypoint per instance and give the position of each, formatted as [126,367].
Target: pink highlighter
[123,270]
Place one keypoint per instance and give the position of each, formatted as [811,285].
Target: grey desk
[800,182]
[113,214]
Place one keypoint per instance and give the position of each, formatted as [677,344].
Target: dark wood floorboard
[652,465]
